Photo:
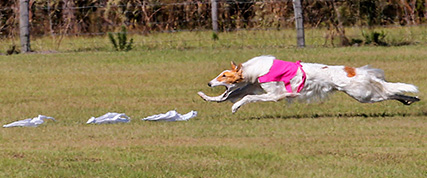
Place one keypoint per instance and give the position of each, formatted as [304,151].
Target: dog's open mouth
[226,93]
[229,92]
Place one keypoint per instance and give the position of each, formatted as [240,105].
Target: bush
[375,38]
[121,44]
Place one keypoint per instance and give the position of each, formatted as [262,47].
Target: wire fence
[262,23]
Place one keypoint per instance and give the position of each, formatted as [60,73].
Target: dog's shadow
[338,115]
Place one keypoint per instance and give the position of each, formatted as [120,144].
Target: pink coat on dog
[283,71]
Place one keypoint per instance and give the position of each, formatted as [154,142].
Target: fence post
[299,23]
[214,10]
[24,26]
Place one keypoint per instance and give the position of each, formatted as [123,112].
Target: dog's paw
[201,94]
[235,108]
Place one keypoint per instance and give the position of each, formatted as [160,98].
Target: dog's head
[233,82]
[231,79]
[228,78]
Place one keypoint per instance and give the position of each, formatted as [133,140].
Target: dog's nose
[209,84]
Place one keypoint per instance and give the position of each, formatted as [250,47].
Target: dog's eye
[224,75]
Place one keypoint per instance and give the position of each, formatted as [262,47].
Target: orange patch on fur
[230,77]
[233,76]
[351,71]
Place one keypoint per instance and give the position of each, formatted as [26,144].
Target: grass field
[335,138]
[252,39]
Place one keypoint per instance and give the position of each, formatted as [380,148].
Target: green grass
[338,137]
[254,39]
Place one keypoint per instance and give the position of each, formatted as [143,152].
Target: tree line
[77,17]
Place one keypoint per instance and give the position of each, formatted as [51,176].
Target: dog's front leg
[219,98]
[263,97]
[274,91]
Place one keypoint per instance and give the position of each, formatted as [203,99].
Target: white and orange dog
[265,78]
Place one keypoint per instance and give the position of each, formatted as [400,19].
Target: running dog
[265,78]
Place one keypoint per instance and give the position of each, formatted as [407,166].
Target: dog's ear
[239,68]
[233,65]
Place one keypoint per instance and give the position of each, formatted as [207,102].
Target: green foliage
[121,44]
[215,36]
[375,38]
[394,37]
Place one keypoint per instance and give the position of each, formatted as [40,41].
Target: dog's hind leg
[371,87]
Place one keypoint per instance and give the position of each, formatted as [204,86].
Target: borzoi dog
[265,78]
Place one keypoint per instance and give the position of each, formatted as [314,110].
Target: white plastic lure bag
[31,122]
[171,116]
[109,118]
